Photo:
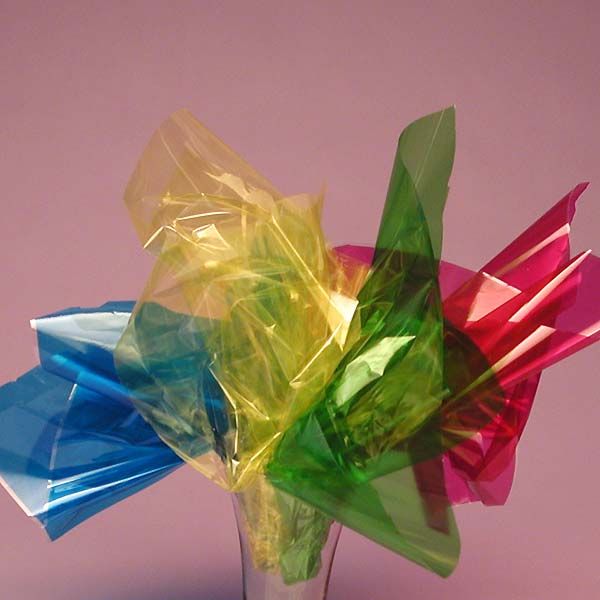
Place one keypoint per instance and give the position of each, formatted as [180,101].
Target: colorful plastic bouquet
[372,387]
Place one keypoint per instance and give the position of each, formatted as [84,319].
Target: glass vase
[287,547]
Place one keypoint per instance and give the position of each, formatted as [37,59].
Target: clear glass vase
[287,546]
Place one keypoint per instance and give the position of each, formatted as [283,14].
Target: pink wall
[309,92]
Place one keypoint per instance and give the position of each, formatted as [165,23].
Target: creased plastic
[244,292]
[377,387]
[71,442]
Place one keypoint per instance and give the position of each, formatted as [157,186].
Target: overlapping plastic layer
[245,315]
[497,338]
[71,442]
[529,307]
[347,380]
[373,386]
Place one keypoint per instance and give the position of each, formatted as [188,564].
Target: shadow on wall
[186,590]
[226,585]
[227,590]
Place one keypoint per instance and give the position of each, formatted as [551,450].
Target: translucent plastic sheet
[244,292]
[563,317]
[380,411]
[71,443]
[377,387]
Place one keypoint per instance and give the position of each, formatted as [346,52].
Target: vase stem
[287,547]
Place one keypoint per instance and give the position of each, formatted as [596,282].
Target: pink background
[310,92]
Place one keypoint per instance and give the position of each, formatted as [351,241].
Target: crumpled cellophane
[256,349]
[374,386]
[245,315]
[71,441]
[246,293]
[497,339]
